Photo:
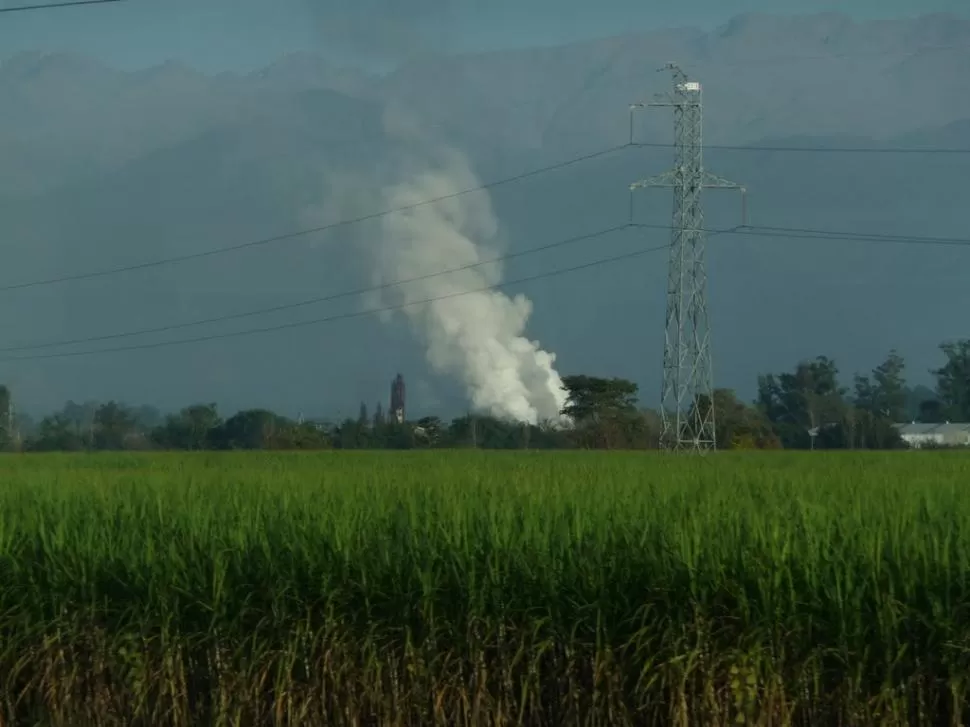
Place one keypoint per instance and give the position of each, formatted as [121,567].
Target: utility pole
[687,368]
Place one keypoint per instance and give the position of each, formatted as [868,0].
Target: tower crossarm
[664,179]
[712,181]
[672,178]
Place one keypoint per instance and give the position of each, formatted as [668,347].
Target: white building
[948,434]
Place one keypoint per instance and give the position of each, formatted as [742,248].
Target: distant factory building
[397,410]
[948,434]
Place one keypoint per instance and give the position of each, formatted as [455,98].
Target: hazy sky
[170,163]
[244,34]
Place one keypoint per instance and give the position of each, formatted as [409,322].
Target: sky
[241,35]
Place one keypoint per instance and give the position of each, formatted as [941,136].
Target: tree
[57,433]
[737,425]
[932,411]
[6,419]
[24,426]
[487,432]
[428,431]
[880,401]
[191,429]
[921,401]
[592,399]
[114,427]
[351,434]
[604,413]
[805,404]
[890,387]
[865,429]
[363,420]
[302,436]
[81,417]
[953,380]
[147,417]
[398,436]
[249,429]
[885,394]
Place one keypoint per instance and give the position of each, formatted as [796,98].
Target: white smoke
[478,337]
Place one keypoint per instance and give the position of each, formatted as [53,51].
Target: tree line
[805,408]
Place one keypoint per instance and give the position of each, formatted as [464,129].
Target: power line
[50,6]
[266,241]
[338,317]
[319,299]
[809,233]
[845,235]
[748,230]
[309,231]
[816,149]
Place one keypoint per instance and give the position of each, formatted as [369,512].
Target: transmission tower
[688,376]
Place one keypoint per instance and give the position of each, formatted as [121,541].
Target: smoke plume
[479,337]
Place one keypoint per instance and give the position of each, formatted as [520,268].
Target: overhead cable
[51,6]
[337,317]
[318,299]
[262,242]
[743,230]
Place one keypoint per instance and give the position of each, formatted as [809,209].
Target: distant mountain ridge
[764,76]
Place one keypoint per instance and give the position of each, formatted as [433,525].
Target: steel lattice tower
[687,368]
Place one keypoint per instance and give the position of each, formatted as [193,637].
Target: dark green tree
[147,417]
[191,429]
[82,417]
[870,430]
[486,432]
[806,402]
[953,381]
[57,433]
[114,427]
[932,411]
[378,428]
[398,436]
[881,399]
[591,399]
[351,434]
[303,436]
[250,429]
[6,420]
[604,413]
[920,401]
[739,426]
[885,393]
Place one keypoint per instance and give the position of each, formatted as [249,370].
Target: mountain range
[104,168]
